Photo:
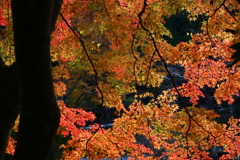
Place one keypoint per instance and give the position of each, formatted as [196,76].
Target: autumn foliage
[120,45]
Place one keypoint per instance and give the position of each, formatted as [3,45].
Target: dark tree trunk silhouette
[33,22]
[8,103]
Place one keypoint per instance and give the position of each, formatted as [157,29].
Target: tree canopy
[107,50]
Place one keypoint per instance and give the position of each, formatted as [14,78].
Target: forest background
[164,71]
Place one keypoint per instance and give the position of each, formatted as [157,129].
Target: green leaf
[236,55]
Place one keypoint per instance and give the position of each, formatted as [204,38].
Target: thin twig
[168,72]
[96,80]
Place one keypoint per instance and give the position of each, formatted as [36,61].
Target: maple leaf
[110,50]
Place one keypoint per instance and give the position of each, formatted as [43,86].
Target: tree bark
[33,22]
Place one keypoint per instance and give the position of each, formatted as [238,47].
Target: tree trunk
[8,104]
[33,22]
